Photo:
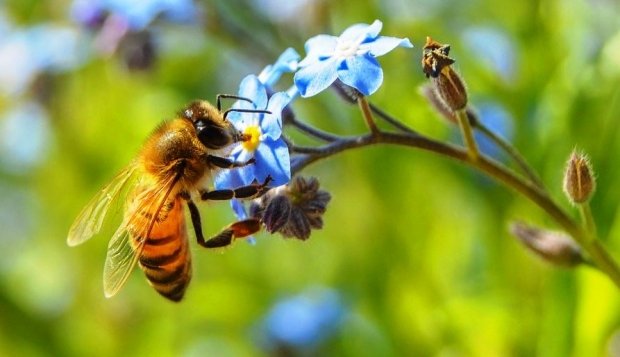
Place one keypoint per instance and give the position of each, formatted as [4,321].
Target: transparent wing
[89,221]
[140,217]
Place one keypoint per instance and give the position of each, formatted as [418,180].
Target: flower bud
[293,210]
[447,83]
[555,247]
[277,213]
[579,182]
[428,91]
[346,92]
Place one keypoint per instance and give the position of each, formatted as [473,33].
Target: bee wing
[124,250]
[89,221]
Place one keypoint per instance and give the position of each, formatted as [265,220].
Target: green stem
[468,134]
[588,220]
[510,150]
[367,113]
[599,256]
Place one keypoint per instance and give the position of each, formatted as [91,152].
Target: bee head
[212,129]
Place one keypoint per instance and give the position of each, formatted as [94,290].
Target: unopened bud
[346,92]
[428,91]
[437,66]
[555,247]
[579,182]
[293,210]
[277,213]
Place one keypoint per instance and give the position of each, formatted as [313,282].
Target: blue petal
[313,79]
[317,47]
[238,208]
[365,31]
[375,28]
[271,125]
[248,173]
[273,159]
[384,44]
[287,62]
[363,74]
[228,179]
[237,118]
[253,89]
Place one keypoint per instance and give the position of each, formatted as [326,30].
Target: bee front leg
[225,163]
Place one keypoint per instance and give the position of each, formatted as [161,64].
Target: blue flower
[137,14]
[265,143]
[287,62]
[302,321]
[350,58]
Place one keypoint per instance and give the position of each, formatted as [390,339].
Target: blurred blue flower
[265,143]
[24,137]
[26,53]
[287,62]
[350,58]
[302,321]
[493,48]
[137,13]
[495,117]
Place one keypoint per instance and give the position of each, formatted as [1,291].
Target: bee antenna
[231,96]
[238,110]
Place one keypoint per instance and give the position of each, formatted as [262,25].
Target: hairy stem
[490,167]
[367,113]
[511,151]
[468,133]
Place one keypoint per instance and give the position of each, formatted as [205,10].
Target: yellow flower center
[253,132]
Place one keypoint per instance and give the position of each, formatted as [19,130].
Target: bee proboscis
[172,168]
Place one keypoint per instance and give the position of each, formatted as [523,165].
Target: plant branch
[468,133]
[490,167]
[510,150]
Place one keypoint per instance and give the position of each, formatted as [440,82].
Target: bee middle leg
[238,229]
[243,192]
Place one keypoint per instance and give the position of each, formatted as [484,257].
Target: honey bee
[172,168]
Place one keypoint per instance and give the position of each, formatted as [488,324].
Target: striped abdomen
[165,258]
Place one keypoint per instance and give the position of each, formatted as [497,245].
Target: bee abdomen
[167,265]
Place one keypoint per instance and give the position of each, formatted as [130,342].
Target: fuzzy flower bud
[579,182]
[436,64]
[428,91]
[555,247]
[293,210]
[345,92]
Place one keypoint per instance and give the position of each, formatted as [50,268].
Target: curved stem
[313,132]
[390,120]
[510,150]
[468,133]
[588,220]
[490,167]
[367,113]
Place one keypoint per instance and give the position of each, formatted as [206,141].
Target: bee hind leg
[238,229]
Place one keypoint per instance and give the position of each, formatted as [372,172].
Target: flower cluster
[294,209]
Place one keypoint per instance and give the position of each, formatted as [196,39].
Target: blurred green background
[414,259]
